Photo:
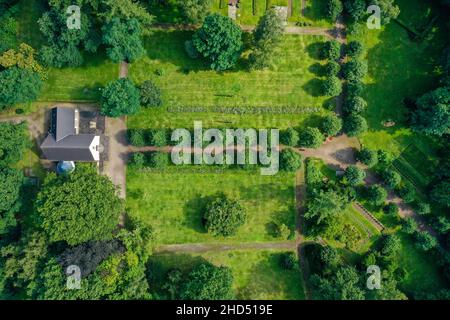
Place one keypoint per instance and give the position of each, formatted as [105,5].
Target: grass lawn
[257,274]
[398,68]
[80,83]
[314,14]
[172,200]
[291,82]
[422,273]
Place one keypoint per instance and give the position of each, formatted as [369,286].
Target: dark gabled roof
[62,143]
[62,123]
[71,148]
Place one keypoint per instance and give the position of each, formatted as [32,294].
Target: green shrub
[384,158]
[425,241]
[355,49]
[354,88]
[332,86]
[289,137]
[159,160]
[334,9]
[355,125]
[391,178]
[138,159]
[158,137]
[354,175]
[137,137]
[288,260]
[311,138]
[223,216]
[422,208]
[367,156]
[354,105]
[331,125]
[331,50]
[332,69]
[391,209]
[290,160]
[150,94]
[282,231]
[355,70]
[407,192]
[376,195]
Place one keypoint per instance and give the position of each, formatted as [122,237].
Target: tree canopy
[223,216]
[219,41]
[432,116]
[208,282]
[13,141]
[18,86]
[78,207]
[119,98]
[123,40]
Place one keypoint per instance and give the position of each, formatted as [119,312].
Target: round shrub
[391,178]
[290,160]
[223,216]
[289,137]
[354,175]
[150,94]
[425,241]
[355,70]
[332,69]
[288,260]
[422,208]
[138,159]
[311,138]
[354,125]
[120,97]
[331,125]
[384,158]
[407,192]
[391,209]
[331,50]
[158,137]
[137,137]
[334,9]
[354,105]
[376,195]
[159,160]
[409,225]
[332,86]
[354,88]
[367,157]
[354,49]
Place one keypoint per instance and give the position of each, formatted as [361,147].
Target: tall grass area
[172,201]
[257,274]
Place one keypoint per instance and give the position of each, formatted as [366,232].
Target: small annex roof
[62,123]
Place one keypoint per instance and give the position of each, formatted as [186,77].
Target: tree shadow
[316,10]
[317,69]
[315,50]
[193,212]
[314,87]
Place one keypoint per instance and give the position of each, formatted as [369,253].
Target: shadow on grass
[193,212]
[317,69]
[314,87]
[315,49]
